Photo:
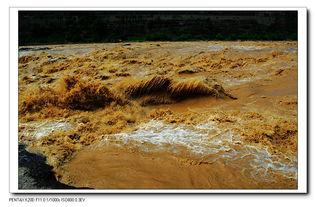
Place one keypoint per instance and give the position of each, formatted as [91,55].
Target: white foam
[207,139]
[197,140]
[233,82]
[248,48]
[215,47]
[46,128]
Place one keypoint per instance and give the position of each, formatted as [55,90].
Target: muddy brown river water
[163,115]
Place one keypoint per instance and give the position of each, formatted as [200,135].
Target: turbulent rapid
[163,115]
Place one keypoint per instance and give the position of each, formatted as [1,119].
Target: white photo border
[302,102]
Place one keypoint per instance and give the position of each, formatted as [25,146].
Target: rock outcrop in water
[34,173]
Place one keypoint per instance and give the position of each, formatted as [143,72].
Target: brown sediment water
[117,168]
[181,115]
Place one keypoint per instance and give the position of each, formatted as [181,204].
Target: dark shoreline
[34,173]
[40,27]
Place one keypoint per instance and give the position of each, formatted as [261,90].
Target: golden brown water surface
[152,115]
